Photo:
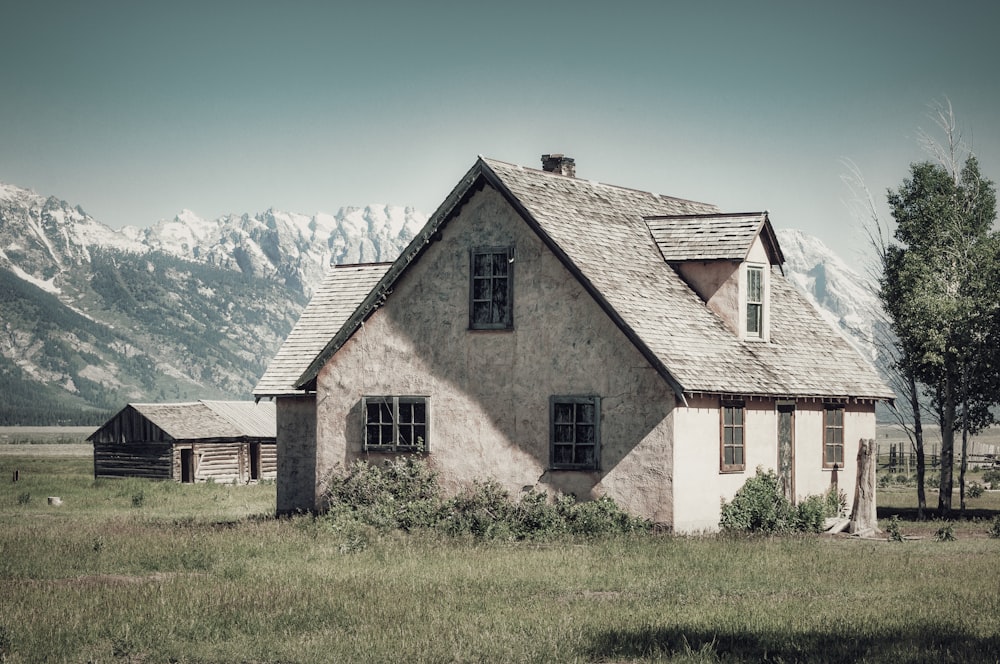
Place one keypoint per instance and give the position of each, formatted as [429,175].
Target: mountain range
[92,318]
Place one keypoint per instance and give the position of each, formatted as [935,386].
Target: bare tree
[901,379]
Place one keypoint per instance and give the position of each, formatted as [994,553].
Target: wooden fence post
[864,515]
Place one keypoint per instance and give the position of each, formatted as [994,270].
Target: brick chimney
[558,163]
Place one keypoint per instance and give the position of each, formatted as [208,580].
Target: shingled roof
[707,237]
[604,235]
[342,290]
[207,420]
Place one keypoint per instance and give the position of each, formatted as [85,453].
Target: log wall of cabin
[150,460]
[226,462]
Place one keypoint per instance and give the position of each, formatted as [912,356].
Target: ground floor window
[575,432]
[833,437]
[396,424]
[733,442]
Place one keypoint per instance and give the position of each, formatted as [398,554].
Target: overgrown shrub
[945,533]
[404,494]
[892,528]
[991,478]
[401,494]
[994,530]
[760,506]
[974,490]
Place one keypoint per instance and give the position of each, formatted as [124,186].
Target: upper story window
[491,291]
[755,301]
[395,424]
[575,432]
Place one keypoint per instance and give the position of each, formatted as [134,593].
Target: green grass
[204,574]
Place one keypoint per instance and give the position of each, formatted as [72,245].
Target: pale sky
[137,110]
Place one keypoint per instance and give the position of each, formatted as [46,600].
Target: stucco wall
[296,443]
[700,485]
[718,284]
[489,390]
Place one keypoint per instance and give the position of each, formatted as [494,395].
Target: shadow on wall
[913,643]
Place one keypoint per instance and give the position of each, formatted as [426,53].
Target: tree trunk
[918,439]
[947,448]
[964,464]
[864,514]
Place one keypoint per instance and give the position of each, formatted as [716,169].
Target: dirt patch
[54,450]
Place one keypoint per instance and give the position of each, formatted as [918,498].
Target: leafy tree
[936,288]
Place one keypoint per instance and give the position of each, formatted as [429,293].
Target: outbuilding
[220,441]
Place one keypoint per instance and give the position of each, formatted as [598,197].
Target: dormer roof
[707,237]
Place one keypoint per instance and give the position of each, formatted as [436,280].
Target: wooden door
[187,465]
[254,461]
[786,450]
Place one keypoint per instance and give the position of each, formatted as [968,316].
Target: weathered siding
[225,462]
[296,455]
[489,390]
[150,460]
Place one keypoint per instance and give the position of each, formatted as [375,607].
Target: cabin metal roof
[602,234]
[206,420]
[342,290]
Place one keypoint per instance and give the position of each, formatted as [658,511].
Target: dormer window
[755,301]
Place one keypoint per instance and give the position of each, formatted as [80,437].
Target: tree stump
[864,516]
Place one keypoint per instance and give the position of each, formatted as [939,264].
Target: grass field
[138,571]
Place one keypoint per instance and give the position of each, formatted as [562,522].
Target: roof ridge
[596,183]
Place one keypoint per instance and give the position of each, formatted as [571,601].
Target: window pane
[738,456]
[371,435]
[727,415]
[481,289]
[372,413]
[728,455]
[584,455]
[738,436]
[754,284]
[500,301]
[420,412]
[385,436]
[585,413]
[406,435]
[727,435]
[405,413]
[585,434]
[564,433]
[481,265]
[481,312]
[420,435]
[753,318]
[564,413]
[563,454]
[500,265]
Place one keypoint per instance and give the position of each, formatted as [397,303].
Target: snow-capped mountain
[845,298]
[91,317]
[295,249]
